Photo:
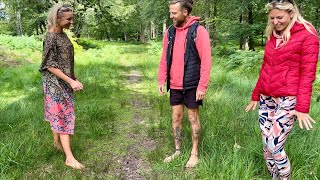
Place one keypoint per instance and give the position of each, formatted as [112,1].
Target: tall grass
[230,145]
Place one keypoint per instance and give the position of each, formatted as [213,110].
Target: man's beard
[179,23]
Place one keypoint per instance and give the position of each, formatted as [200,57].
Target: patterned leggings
[275,124]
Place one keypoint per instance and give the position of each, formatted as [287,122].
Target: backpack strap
[171,38]
[191,40]
[171,32]
[193,30]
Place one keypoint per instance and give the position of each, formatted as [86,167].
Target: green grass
[104,113]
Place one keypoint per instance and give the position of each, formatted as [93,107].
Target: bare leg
[177,116]
[194,119]
[70,160]
[56,141]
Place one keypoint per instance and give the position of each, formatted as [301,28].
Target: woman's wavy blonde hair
[55,13]
[290,8]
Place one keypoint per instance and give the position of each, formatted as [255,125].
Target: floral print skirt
[59,109]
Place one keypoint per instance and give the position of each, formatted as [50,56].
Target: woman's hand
[81,85]
[252,106]
[304,119]
[76,85]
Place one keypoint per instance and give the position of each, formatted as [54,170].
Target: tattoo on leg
[178,136]
[196,133]
[195,125]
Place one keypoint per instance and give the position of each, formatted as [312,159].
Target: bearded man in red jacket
[185,66]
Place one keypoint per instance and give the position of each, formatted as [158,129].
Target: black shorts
[187,97]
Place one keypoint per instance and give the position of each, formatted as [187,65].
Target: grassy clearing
[230,145]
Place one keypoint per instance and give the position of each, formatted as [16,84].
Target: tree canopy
[240,21]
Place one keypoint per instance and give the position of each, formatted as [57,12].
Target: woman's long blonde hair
[55,13]
[290,8]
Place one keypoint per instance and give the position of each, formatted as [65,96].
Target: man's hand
[200,95]
[252,106]
[161,89]
[305,118]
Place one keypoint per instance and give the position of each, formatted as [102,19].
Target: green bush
[155,48]
[20,42]
[243,60]
[4,28]
[89,43]
[224,51]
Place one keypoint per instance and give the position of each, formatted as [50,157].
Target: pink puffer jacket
[291,69]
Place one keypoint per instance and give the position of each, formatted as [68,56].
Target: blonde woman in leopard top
[59,80]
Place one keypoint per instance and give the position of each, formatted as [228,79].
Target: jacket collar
[297,27]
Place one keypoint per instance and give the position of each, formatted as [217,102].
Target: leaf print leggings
[276,123]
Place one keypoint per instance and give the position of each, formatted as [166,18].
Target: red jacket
[177,66]
[291,69]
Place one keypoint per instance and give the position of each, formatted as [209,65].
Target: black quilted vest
[192,61]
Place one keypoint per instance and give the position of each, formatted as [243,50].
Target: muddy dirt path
[134,165]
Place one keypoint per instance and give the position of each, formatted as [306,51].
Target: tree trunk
[42,26]
[18,19]
[250,20]
[125,37]
[246,44]
[152,30]
[241,41]
[164,26]
[142,33]
[207,17]
[214,23]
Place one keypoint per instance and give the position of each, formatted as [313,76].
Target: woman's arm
[75,85]
[308,65]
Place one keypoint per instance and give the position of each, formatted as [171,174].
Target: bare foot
[172,157]
[73,163]
[58,145]
[193,160]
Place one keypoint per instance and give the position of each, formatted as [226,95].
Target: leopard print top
[58,52]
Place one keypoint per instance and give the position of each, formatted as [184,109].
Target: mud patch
[41,172]
[130,166]
[149,144]
[136,118]
[139,104]
[145,143]
[134,77]
[133,165]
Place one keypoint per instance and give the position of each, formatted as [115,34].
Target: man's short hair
[186,4]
